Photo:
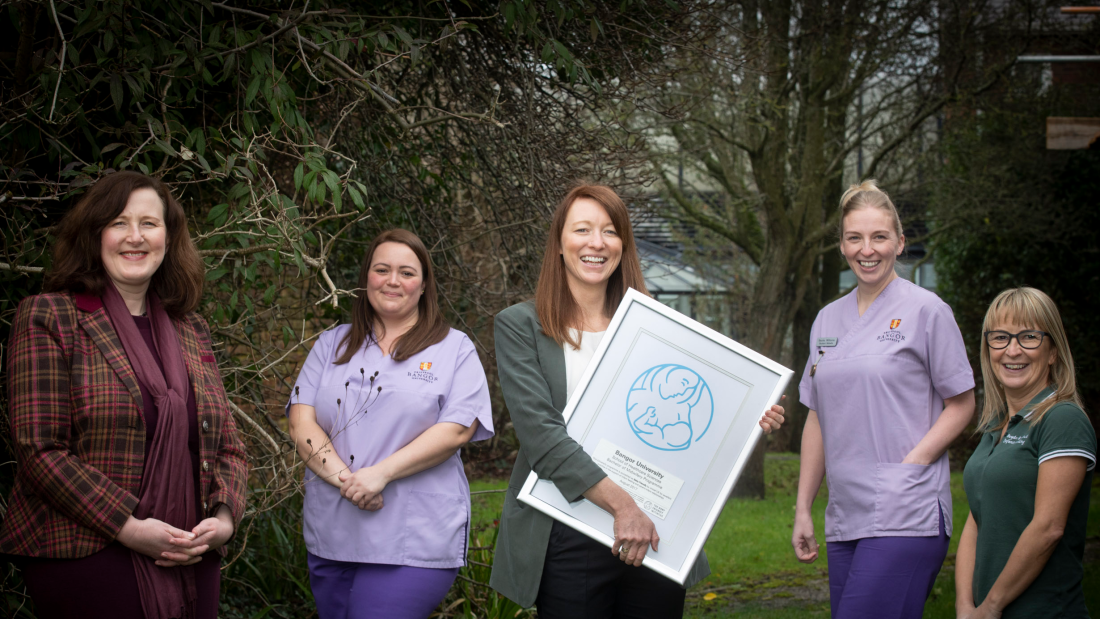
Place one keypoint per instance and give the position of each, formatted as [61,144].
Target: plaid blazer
[79,429]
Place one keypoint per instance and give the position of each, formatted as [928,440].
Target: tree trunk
[750,485]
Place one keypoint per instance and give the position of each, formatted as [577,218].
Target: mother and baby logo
[669,407]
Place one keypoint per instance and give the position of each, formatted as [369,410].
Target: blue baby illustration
[668,406]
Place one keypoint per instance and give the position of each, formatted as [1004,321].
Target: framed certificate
[669,409]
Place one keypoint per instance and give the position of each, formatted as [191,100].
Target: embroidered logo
[1010,439]
[893,335]
[423,373]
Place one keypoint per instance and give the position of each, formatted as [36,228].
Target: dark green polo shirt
[1000,481]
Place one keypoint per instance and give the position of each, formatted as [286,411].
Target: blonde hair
[1033,308]
[864,195]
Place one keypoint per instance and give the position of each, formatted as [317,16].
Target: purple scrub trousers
[878,577]
[345,590]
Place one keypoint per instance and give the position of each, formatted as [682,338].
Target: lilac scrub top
[425,519]
[878,389]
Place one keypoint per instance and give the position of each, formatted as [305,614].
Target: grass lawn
[754,572]
[756,575]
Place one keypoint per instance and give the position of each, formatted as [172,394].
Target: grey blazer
[532,375]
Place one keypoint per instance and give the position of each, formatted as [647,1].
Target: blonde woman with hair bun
[889,386]
[1021,551]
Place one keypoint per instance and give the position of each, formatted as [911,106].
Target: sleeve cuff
[121,515]
[954,385]
[1062,453]
[466,418]
[301,395]
[583,473]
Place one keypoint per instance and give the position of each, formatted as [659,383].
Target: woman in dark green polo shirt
[1020,554]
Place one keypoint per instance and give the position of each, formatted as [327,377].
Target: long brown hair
[78,265]
[557,309]
[1034,309]
[430,328]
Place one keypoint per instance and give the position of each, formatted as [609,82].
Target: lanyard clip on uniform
[813,370]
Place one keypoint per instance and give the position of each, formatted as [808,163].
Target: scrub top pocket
[906,499]
[435,528]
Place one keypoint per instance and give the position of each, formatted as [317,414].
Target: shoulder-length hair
[557,309]
[77,259]
[430,328]
[1034,309]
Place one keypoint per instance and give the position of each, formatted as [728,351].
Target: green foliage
[292,132]
[1026,217]
[268,576]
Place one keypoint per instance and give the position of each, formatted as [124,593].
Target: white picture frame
[641,410]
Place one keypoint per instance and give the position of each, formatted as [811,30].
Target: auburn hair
[557,309]
[430,328]
[77,260]
[1032,309]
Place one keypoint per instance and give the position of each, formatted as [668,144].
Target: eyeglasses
[1026,339]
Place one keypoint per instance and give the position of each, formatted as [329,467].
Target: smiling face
[395,282]
[1021,371]
[590,246]
[132,246]
[871,246]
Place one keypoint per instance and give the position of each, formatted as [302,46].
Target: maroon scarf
[167,487]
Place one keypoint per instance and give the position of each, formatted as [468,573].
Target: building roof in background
[665,271]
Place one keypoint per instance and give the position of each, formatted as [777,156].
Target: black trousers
[581,579]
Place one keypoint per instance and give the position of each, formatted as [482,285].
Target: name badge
[826,342]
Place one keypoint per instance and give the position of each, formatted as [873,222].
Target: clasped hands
[172,547]
[363,487]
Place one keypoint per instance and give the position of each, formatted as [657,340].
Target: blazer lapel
[95,322]
[192,356]
[552,358]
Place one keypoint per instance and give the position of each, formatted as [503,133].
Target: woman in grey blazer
[542,348]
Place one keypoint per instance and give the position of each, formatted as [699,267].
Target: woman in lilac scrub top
[889,386]
[379,413]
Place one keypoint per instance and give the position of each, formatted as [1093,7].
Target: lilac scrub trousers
[403,557]
[878,383]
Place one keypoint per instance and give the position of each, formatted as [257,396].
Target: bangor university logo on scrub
[423,373]
[892,335]
[669,407]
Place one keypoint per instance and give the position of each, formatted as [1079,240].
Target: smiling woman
[131,475]
[888,386]
[379,414]
[543,348]
[1028,482]
[132,246]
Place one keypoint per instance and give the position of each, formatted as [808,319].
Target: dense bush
[1026,216]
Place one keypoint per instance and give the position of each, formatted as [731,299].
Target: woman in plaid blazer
[131,475]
